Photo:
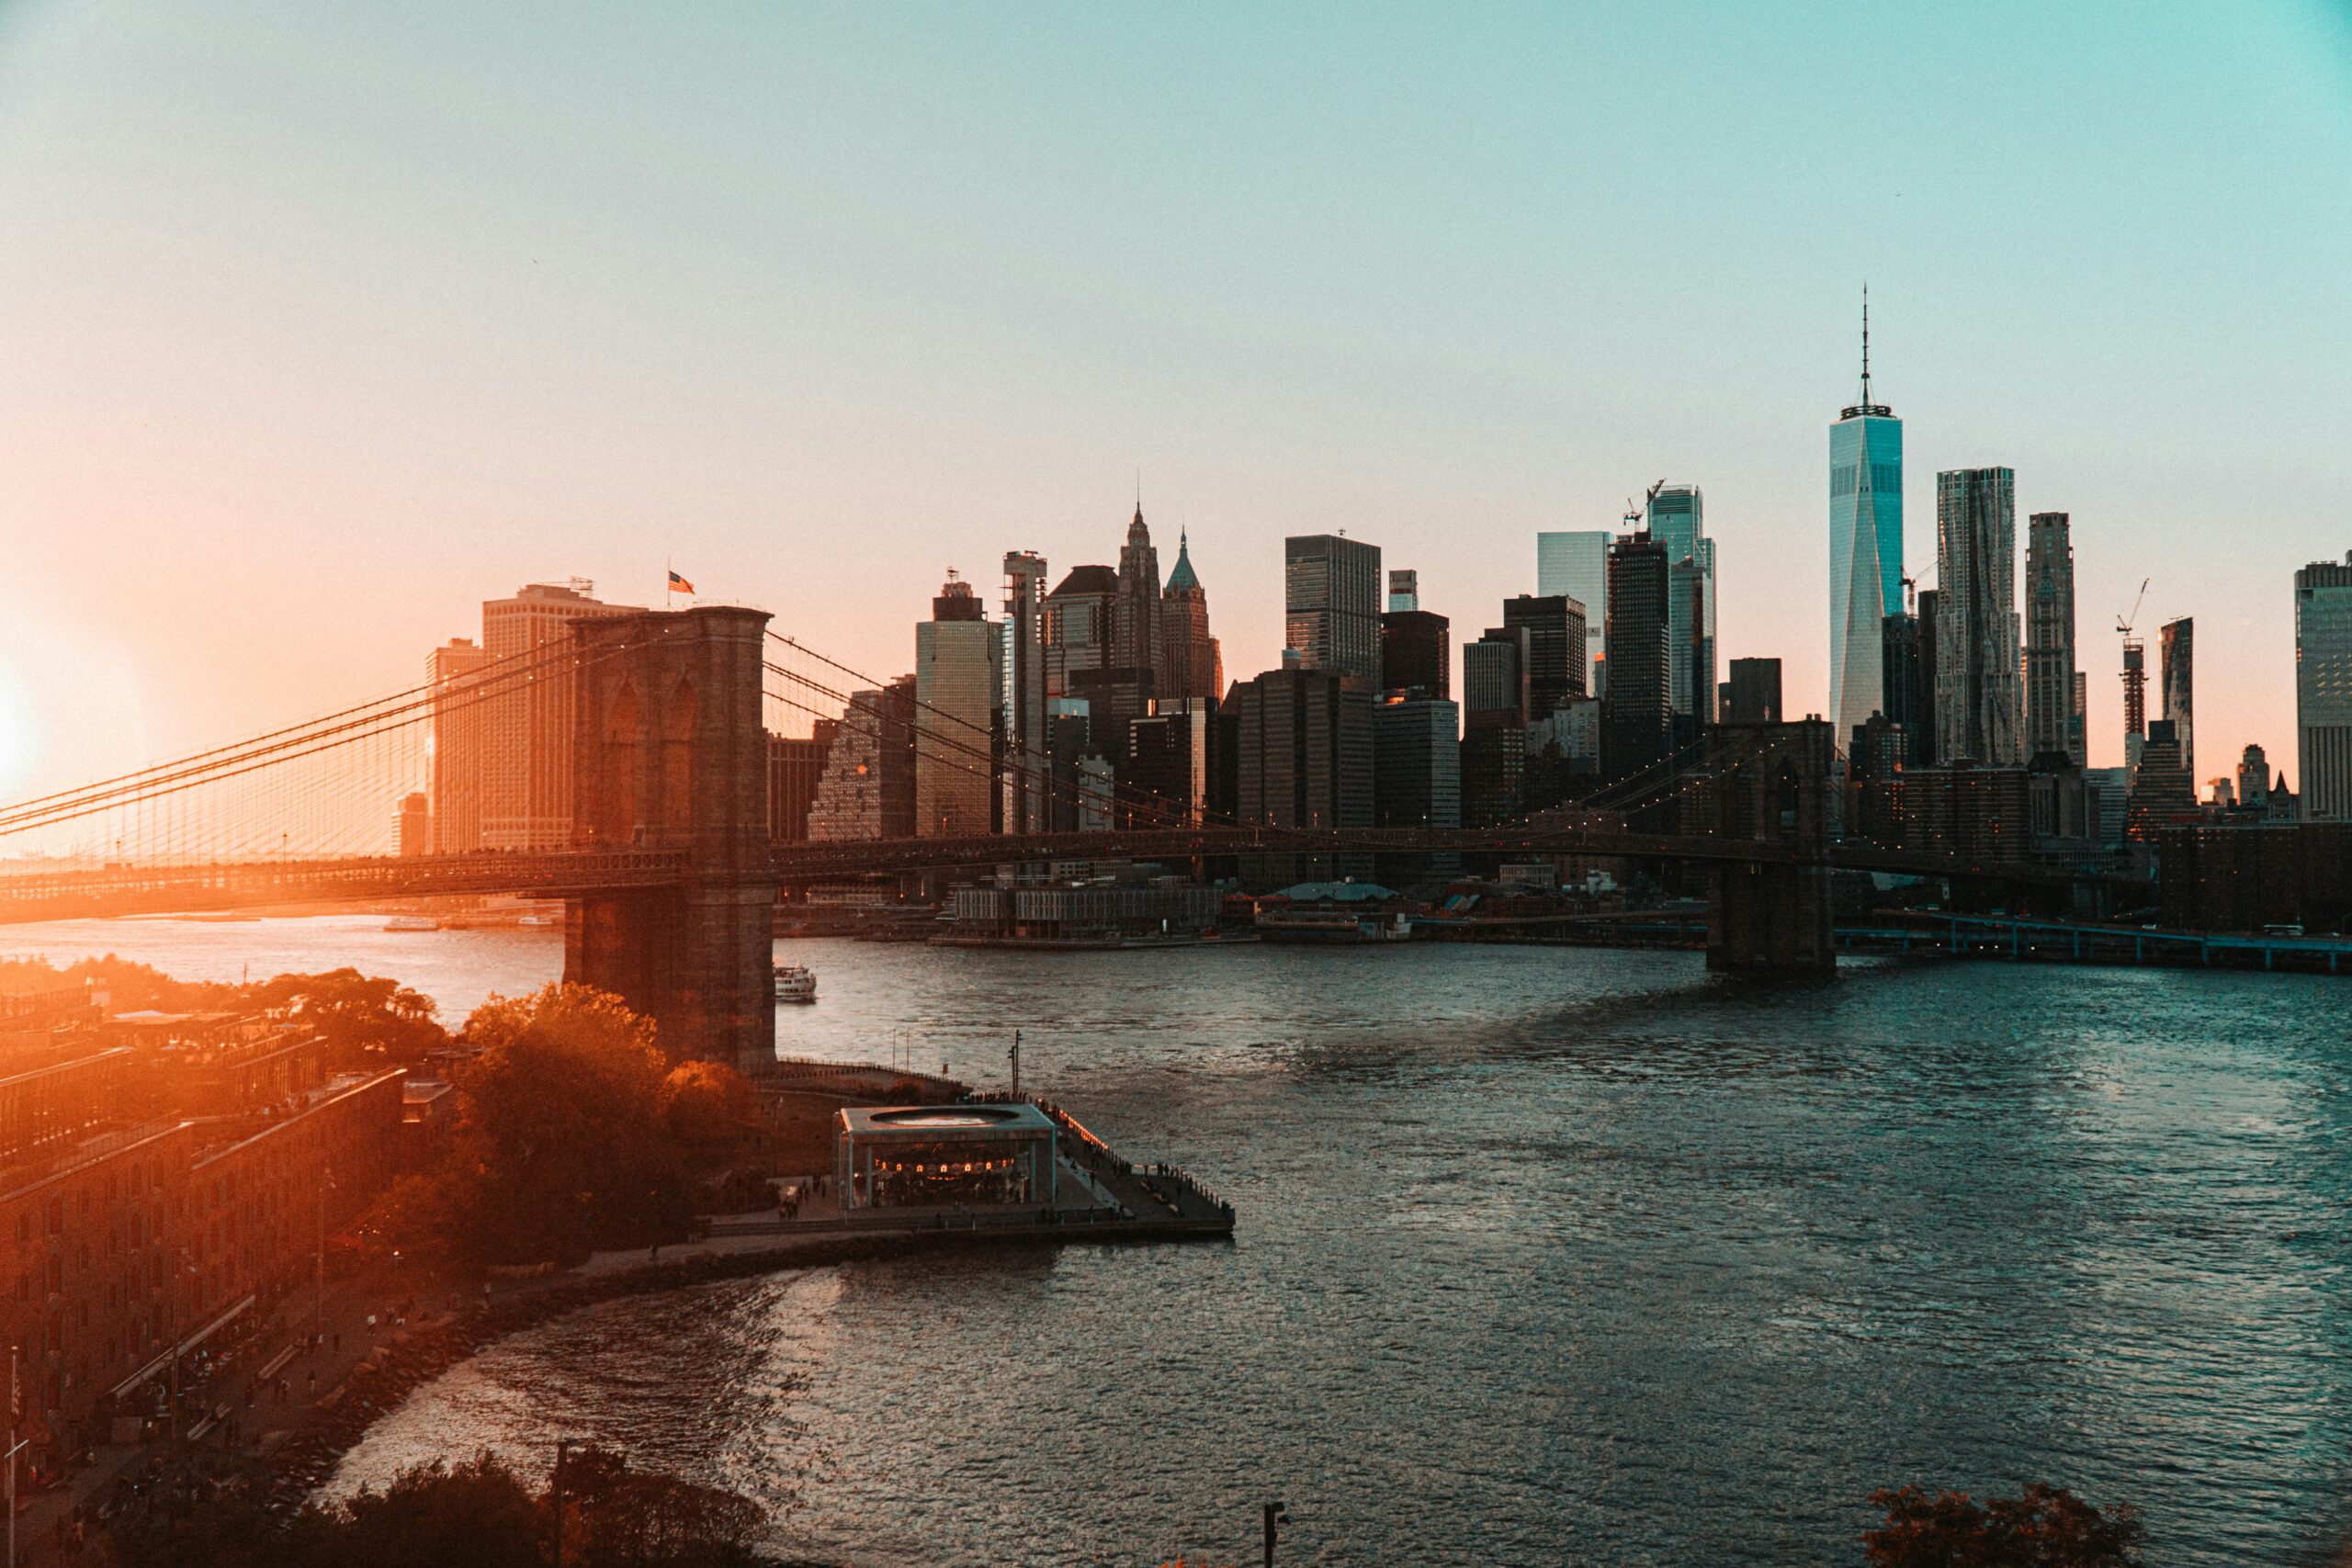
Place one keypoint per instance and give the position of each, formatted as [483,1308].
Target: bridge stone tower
[1773,782]
[670,755]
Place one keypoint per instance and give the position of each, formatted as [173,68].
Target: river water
[1545,1256]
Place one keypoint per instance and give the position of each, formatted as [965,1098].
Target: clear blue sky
[321,324]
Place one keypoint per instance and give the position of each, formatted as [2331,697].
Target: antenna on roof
[1866,339]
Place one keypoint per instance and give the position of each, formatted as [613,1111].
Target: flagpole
[669,572]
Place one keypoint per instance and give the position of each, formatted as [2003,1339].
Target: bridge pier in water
[1773,782]
[670,752]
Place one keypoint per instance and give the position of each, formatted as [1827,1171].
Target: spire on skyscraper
[1866,341]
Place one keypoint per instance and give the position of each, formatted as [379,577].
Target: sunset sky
[321,324]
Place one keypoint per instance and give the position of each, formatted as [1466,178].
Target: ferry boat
[411,923]
[795,983]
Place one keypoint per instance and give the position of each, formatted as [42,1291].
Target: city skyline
[258,415]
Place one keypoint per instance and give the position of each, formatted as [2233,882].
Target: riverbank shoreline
[336,1423]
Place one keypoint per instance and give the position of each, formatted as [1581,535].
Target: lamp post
[319,1297]
[1277,1514]
[16,1413]
[555,1496]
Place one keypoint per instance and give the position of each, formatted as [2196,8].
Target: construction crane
[2135,678]
[1637,513]
[2123,623]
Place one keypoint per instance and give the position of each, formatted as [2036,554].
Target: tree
[2046,1527]
[433,1516]
[637,1519]
[709,1108]
[562,1146]
[365,1019]
[477,1514]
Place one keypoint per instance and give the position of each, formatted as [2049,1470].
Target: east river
[1545,1256]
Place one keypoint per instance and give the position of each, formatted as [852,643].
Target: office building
[795,768]
[1577,564]
[1077,625]
[1115,699]
[956,657]
[1416,655]
[1404,589]
[2176,642]
[2161,787]
[1192,665]
[1923,698]
[1025,782]
[526,718]
[2051,681]
[2324,689]
[1302,750]
[1135,612]
[1752,695]
[1331,604]
[1638,716]
[2253,779]
[1677,517]
[1553,626]
[1901,699]
[1865,549]
[1495,709]
[453,778]
[1416,761]
[1979,708]
[866,787]
[1168,765]
[413,826]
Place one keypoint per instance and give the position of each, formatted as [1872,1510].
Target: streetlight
[318,1301]
[1277,1514]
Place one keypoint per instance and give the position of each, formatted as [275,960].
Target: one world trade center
[1865,549]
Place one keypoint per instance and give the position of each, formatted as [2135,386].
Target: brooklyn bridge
[669,877]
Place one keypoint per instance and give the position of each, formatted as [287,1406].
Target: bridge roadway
[51,893]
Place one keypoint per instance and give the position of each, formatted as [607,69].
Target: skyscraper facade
[1978,704]
[452,783]
[1554,625]
[1135,615]
[1577,564]
[956,657]
[2323,688]
[2051,679]
[1021,698]
[1404,589]
[1192,665]
[1332,603]
[1077,625]
[1416,655]
[2177,641]
[1637,716]
[1865,549]
[1304,750]
[1677,516]
[527,723]
[1752,695]
[1417,763]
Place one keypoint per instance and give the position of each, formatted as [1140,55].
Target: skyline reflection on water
[1544,1256]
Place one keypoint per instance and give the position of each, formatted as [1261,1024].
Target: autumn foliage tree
[2046,1527]
[367,1020]
[563,1144]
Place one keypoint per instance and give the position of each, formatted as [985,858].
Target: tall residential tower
[1978,705]
[2050,676]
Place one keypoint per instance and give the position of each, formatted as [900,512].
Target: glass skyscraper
[1865,549]
[1577,564]
[1677,516]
